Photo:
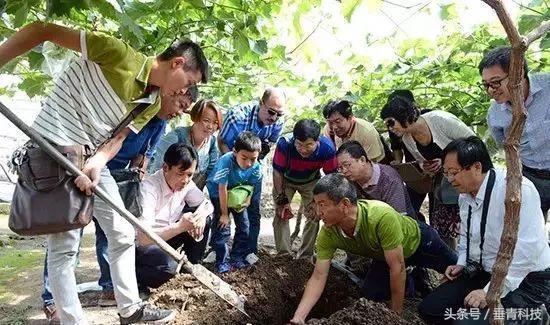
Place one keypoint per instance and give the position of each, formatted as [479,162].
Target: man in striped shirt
[296,168]
[262,118]
[88,101]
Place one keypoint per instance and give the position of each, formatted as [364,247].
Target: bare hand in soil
[453,271]
[297,321]
[224,221]
[476,299]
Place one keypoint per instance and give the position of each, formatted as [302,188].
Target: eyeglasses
[452,173]
[344,167]
[390,123]
[273,112]
[495,84]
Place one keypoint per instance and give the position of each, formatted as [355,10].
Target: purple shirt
[386,185]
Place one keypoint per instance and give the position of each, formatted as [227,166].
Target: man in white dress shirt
[172,206]
[469,169]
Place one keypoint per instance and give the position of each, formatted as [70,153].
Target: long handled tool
[203,275]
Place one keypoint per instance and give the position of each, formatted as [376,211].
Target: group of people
[198,179]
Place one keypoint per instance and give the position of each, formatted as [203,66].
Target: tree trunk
[513,162]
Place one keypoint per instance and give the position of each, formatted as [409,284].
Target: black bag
[128,180]
[45,199]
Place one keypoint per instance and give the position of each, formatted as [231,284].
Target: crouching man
[468,167]
[372,229]
[173,207]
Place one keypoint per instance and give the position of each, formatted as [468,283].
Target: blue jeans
[101,253]
[432,253]
[254,221]
[220,237]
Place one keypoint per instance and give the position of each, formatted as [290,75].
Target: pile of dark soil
[362,312]
[273,288]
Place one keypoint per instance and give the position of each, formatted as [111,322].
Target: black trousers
[542,185]
[533,291]
[154,267]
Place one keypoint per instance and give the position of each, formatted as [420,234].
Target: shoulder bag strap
[483,223]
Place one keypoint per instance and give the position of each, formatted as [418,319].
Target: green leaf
[196,3]
[34,85]
[348,7]
[35,60]
[448,12]
[60,8]
[260,47]
[20,16]
[240,43]
[545,42]
[297,24]
[529,22]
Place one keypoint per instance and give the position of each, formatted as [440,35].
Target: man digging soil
[371,229]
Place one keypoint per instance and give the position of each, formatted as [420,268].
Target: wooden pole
[511,147]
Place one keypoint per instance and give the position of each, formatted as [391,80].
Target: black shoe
[148,315]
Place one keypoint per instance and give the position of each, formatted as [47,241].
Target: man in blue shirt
[137,148]
[262,118]
[535,141]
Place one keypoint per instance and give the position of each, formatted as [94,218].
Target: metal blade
[219,287]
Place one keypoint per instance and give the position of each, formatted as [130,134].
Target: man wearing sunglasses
[534,143]
[263,118]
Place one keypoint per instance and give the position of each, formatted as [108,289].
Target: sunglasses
[273,112]
[390,123]
[495,84]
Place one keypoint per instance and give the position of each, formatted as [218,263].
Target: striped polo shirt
[96,91]
[299,170]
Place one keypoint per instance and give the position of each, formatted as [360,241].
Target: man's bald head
[272,105]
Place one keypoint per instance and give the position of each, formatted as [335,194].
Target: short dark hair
[180,154]
[306,129]
[338,106]
[247,141]
[337,187]
[469,151]
[404,93]
[401,109]
[192,52]
[353,148]
[500,56]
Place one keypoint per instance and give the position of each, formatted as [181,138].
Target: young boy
[239,167]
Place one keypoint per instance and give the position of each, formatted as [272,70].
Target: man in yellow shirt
[342,126]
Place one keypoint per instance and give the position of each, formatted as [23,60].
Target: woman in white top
[425,136]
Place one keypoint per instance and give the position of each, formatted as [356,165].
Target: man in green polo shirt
[88,101]
[372,229]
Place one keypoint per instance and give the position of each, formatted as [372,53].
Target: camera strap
[486,200]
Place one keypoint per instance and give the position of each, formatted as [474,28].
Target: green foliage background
[243,43]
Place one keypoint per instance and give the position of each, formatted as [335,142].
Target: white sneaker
[210,258]
[252,258]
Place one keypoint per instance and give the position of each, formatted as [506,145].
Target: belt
[538,173]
